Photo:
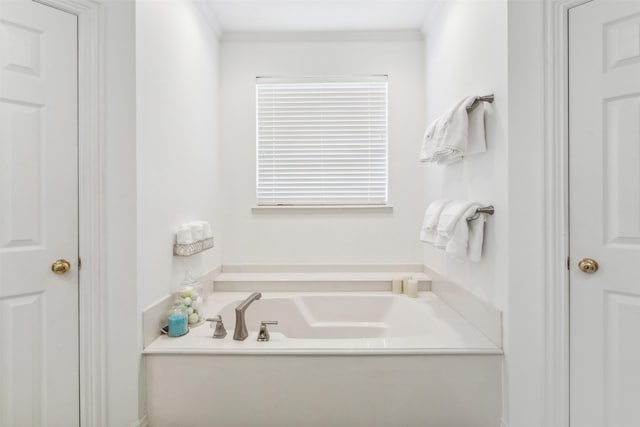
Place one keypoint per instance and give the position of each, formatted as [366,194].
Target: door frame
[91,296]
[556,147]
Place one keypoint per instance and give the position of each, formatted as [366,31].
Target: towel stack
[445,226]
[455,134]
[193,231]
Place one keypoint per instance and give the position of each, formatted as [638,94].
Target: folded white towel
[451,214]
[430,222]
[206,229]
[446,139]
[449,218]
[458,243]
[183,235]
[197,230]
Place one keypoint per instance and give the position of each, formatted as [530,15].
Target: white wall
[145,194]
[496,47]
[322,237]
[177,140]
[122,320]
[466,53]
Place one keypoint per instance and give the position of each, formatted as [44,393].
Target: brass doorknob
[588,265]
[61,266]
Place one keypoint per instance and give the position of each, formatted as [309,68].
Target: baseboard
[485,317]
[153,315]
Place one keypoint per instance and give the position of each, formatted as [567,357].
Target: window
[321,141]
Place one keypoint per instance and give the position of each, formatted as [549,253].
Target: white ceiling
[319,15]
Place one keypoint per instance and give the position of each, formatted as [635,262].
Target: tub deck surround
[340,359]
[375,323]
[270,281]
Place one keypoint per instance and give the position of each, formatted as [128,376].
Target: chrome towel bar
[489,210]
[478,100]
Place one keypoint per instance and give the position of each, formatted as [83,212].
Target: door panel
[621,170]
[39,368]
[604,146]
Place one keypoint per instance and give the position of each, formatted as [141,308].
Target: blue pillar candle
[177,323]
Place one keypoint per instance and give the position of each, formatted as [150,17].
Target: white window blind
[322,142]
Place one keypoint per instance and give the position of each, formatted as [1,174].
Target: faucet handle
[263,335]
[220,331]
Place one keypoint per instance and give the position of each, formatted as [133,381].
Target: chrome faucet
[240,333]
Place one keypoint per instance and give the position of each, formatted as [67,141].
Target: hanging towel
[476,142]
[449,218]
[431,218]
[446,139]
[466,239]
[476,238]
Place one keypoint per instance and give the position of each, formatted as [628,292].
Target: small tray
[189,249]
[165,331]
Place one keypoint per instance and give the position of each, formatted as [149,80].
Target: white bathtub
[335,359]
[345,322]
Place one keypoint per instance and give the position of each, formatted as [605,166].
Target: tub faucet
[240,333]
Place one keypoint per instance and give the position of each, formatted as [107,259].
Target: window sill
[327,208]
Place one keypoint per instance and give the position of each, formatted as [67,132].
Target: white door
[604,152]
[39,384]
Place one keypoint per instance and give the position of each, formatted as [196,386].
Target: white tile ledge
[320,276]
[315,281]
[323,268]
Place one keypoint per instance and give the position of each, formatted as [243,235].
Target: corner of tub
[482,315]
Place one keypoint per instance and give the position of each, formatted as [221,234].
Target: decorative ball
[196,303]
[187,301]
[194,318]
[186,291]
[190,310]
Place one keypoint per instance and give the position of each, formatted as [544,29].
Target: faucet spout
[240,332]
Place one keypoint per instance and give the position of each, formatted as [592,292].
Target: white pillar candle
[413,288]
[405,284]
[396,286]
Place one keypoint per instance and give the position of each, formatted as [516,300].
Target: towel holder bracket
[489,210]
[486,98]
